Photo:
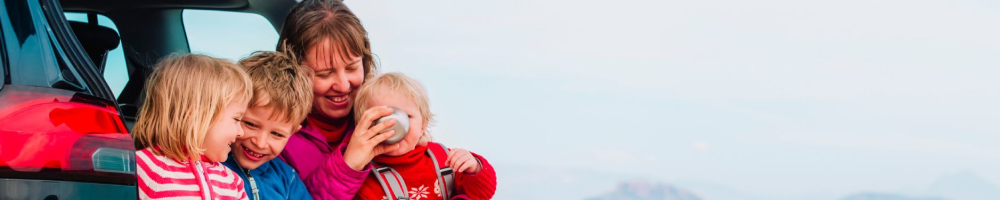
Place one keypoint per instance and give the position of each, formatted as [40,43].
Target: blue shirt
[275,179]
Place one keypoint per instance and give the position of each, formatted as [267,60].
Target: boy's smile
[264,137]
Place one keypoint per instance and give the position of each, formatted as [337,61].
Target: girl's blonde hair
[184,95]
[396,83]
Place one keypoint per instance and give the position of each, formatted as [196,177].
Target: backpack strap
[391,182]
[445,175]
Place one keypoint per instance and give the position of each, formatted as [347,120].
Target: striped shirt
[164,178]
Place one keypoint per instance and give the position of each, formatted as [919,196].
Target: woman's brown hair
[312,21]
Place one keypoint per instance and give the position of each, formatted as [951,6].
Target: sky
[779,99]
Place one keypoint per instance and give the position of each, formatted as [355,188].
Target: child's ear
[296,129]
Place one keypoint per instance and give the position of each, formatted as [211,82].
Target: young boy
[281,100]
[419,168]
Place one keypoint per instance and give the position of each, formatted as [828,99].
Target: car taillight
[48,133]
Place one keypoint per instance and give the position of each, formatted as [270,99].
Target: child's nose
[261,141]
[239,131]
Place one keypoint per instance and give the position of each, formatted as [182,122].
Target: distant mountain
[642,190]
[881,196]
[963,186]
[540,183]
[959,186]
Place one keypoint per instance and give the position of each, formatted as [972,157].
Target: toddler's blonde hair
[400,84]
[184,95]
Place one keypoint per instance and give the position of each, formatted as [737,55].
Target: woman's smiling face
[337,76]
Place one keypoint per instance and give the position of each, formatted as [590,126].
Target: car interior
[149,31]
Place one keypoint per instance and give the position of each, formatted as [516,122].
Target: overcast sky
[777,97]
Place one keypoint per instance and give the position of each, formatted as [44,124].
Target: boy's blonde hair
[280,83]
[184,95]
[399,84]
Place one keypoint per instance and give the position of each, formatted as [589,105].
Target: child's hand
[462,160]
[366,142]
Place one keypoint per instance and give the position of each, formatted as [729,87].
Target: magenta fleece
[321,165]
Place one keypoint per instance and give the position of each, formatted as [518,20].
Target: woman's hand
[366,142]
[462,160]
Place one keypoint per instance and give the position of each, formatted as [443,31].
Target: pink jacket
[321,166]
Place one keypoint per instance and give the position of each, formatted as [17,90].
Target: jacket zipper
[253,184]
[201,179]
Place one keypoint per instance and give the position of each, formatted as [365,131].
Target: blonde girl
[190,116]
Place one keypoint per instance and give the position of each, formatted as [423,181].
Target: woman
[330,155]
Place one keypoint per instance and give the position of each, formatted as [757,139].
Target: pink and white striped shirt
[164,178]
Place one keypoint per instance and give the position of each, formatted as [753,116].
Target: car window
[115,70]
[34,56]
[230,35]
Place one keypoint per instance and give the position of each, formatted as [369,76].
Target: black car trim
[73,50]
[76,176]
[4,72]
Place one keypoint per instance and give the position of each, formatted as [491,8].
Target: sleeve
[296,189]
[481,185]
[141,175]
[333,179]
[366,193]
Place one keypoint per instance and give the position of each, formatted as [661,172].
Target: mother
[330,155]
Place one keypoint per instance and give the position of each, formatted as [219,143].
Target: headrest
[96,39]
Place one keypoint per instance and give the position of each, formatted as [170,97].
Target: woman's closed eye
[323,74]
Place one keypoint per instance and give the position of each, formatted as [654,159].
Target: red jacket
[417,170]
